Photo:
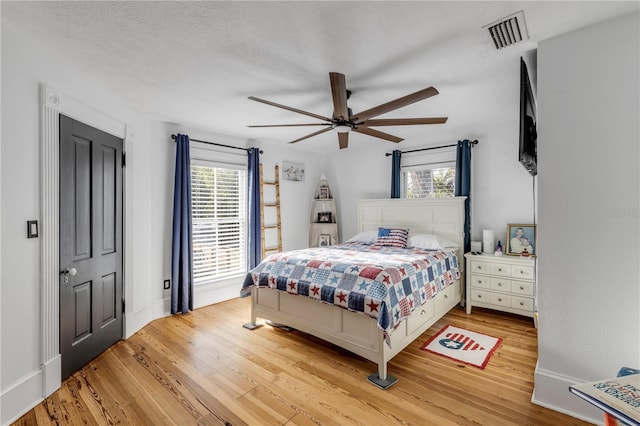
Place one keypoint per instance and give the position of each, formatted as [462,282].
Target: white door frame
[52,104]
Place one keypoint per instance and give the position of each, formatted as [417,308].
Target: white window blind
[218,198]
[429,174]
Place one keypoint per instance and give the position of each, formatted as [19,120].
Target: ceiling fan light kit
[342,128]
[343,121]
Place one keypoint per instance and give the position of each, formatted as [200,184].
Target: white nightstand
[505,283]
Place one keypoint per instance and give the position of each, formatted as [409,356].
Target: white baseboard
[134,321]
[162,308]
[51,375]
[204,295]
[551,390]
[20,397]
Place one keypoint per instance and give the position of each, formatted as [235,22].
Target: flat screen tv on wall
[528,135]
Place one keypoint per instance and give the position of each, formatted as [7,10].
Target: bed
[376,328]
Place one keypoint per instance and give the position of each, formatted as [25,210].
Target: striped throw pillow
[393,237]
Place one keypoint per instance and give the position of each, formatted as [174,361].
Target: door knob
[71,271]
[67,273]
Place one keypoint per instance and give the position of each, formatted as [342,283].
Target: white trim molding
[21,396]
[52,104]
[551,390]
[134,321]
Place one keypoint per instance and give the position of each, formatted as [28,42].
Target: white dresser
[504,283]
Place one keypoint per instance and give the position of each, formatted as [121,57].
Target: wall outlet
[167,284]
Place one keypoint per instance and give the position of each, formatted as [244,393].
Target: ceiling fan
[343,120]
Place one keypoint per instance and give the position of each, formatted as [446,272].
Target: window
[430,183]
[429,174]
[218,198]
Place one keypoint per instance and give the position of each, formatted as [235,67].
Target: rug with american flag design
[463,345]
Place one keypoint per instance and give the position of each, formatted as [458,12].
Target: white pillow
[367,237]
[430,242]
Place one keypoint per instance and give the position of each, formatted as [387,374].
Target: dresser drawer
[524,288]
[477,266]
[480,281]
[500,284]
[524,303]
[522,272]
[500,269]
[500,299]
[480,296]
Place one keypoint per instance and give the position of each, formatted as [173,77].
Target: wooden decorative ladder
[276,205]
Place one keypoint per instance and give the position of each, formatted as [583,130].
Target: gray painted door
[91,304]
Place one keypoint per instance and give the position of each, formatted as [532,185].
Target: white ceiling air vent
[507,31]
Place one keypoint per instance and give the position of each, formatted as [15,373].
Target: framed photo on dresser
[521,239]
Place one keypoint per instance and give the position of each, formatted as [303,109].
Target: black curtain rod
[217,144]
[475,142]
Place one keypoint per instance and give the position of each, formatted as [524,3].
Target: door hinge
[124,159]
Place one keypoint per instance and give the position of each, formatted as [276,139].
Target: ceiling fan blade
[339,95]
[311,135]
[395,104]
[377,134]
[299,111]
[290,125]
[343,140]
[405,121]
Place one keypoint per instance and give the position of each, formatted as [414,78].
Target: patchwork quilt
[386,283]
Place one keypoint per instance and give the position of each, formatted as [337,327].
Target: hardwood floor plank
[267,406]
[78,410]
[204,368]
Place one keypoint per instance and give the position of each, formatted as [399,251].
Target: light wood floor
[204,368]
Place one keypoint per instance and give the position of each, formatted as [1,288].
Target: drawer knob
[479,267]
[521,287]
[499,284]
[500,269]
[423,312]
[446,297]
[479,296]
[499,299]
[521,303]
[521,271]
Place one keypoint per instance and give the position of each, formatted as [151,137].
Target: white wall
[295,202]
[24,67]
[354,174]
[295,197]
[588,286]
[502,190]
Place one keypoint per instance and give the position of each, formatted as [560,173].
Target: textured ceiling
[196,63]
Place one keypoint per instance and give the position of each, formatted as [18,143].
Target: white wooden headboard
[440,216]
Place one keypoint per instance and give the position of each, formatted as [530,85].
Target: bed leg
[252,325]
[381,379]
